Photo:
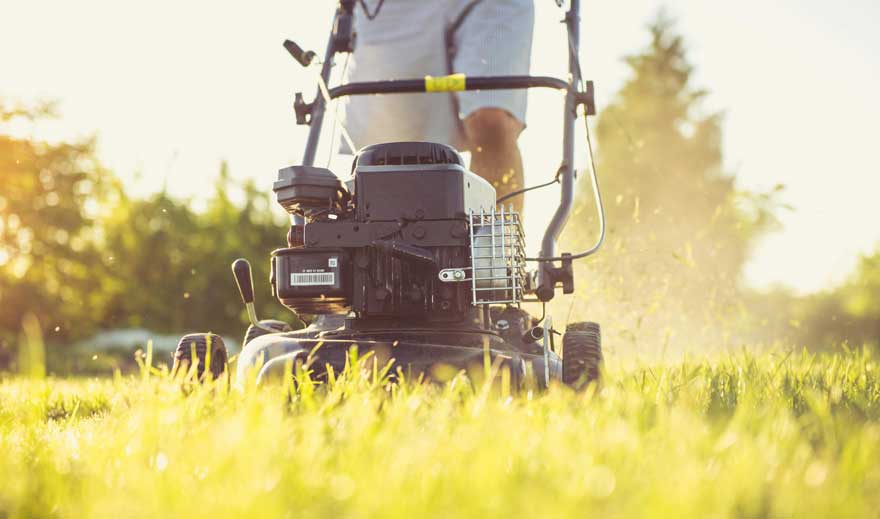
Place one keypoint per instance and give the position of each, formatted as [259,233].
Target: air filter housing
[303,189]
[408,181]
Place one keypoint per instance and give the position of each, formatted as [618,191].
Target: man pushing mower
[417,259]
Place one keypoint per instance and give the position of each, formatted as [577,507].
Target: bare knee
[492,128]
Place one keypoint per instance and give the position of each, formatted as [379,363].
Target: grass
[741,435]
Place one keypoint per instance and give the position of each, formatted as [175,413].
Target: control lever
[241,269]
[304,57]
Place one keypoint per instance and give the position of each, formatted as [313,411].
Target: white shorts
[407,41]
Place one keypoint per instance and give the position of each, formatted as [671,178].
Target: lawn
[777,434]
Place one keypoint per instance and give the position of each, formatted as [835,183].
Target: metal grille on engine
[498,271]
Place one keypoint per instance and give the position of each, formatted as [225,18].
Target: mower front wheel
[253,332]
[581,354]
[199,344]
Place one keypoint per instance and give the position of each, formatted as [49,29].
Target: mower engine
[413,235]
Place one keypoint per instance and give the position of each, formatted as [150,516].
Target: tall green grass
[741,435]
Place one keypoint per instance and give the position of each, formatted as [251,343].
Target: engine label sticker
[311,279]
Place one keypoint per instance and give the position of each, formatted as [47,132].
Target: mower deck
[414,352]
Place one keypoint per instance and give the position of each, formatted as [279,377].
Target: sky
[171,88]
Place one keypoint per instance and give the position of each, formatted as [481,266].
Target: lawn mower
[413,259]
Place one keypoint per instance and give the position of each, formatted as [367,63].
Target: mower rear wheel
[581,354]
[199,344]
[253,332]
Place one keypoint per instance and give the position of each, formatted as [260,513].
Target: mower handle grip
[241,269]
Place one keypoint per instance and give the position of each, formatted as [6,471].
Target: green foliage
[169,266]
[777,435]
[860,295]
[79,254]
[678,230]
[849,312]
[47,224]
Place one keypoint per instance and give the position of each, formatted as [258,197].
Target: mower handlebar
[460,82]
[451,83]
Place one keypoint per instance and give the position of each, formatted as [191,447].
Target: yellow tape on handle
[451,83]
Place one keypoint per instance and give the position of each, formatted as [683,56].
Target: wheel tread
[582,353]
[183,354]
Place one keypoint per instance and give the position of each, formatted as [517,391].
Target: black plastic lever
[245,280]
[304,57]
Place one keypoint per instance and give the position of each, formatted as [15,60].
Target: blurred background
[139,142]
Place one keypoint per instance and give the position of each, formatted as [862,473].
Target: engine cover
[417,181]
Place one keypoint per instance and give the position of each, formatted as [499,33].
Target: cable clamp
[587,98]
[302,109]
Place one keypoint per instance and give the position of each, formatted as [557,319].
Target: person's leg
[492,134]
[494,39]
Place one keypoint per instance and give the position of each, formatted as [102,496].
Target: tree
[80,254]
[168,266]
[848,313]
[48,196]
[679,231]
